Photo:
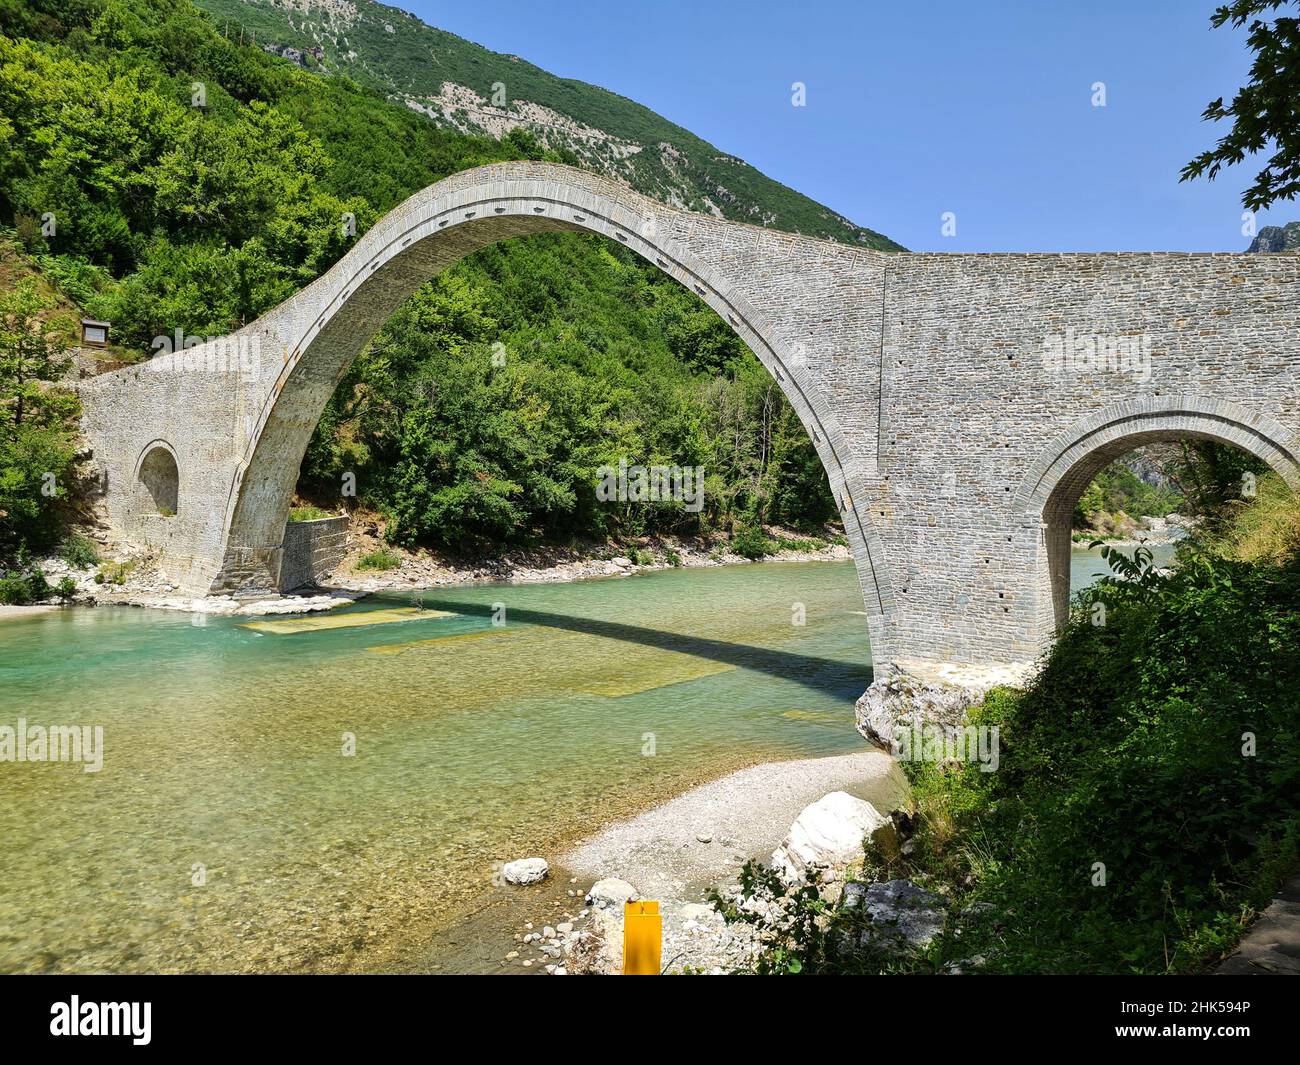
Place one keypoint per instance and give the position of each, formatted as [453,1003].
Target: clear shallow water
[474,744]
[1087,565]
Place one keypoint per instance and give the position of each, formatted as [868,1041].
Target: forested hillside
[165,177]
[463,86]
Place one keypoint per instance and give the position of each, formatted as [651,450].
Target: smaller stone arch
[1047,494]
[158,480]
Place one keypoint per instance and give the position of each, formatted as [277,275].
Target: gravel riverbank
[675,853]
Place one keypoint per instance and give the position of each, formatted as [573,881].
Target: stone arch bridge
[959,403]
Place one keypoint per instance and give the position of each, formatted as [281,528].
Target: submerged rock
[829,835]
[525,871]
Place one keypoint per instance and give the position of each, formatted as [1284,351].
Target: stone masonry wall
[312,551]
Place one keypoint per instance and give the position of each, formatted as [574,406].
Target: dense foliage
[1164,745]
[1216,481]
[170,215]
[38,438]
[1118,489]
[597,357]
[37,421]
[167,215]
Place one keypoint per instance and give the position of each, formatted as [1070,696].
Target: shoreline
[146,589]
[508,571]
[744,814]
[10,613]
[423,569]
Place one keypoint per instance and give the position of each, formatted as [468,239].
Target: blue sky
[915,109]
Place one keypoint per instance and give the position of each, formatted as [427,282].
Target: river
[329,793]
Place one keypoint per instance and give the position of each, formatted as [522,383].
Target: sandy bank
[8,613]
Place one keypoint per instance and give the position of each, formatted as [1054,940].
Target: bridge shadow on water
[828,676]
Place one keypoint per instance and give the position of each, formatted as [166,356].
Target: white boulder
[525,871]
[611,893]
[827,836]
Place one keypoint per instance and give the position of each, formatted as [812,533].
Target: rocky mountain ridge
[460,85]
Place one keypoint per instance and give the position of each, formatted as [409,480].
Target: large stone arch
[1058,476]
[318,333]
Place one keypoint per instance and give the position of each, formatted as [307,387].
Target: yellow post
[643,933]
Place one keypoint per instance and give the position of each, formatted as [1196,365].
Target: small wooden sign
[94,334]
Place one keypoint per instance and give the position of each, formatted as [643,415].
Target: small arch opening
[1146,489]
[160,479]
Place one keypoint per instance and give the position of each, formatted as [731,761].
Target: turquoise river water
[231,830]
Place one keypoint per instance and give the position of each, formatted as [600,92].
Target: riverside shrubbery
[1149,794]
[1147,803]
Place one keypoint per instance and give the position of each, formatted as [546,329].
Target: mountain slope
[1277,238]
[459,84]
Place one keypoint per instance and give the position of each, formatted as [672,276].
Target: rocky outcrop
[900,698]
[902,915]
[1277,238]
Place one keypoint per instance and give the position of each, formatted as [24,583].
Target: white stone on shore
[827,836]
[525,871]
[611,892]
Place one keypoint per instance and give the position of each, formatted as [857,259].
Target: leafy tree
[1266,110]
[37,419]
[176,217]
[1215,480]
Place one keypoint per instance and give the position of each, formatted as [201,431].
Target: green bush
[14,591]
[380,559]
[23,586]
[79,551]
[751,543]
